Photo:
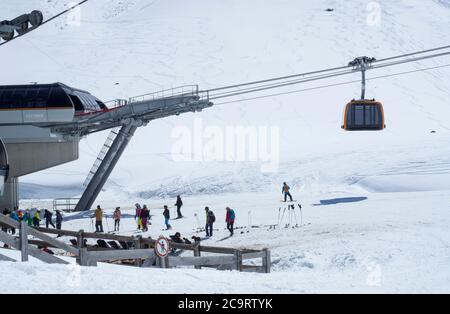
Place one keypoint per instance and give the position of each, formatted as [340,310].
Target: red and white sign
[162,247]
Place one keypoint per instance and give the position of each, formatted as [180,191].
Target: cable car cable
[276,85]
[413,54]
[409,60]
[237,92]
[338,68]
[334,85]
[46,21]
[277,79]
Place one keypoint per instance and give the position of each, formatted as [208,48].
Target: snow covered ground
[376,204]
[389,242]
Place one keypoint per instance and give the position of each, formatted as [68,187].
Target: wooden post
[197,253]
[238,255]
[81,259]
[86,259]
[24,240]
[80,239]
[267,261]
[163,262]
[137,246]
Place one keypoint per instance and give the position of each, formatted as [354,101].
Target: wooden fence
[136,251]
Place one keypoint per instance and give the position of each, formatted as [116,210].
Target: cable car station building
[41,127]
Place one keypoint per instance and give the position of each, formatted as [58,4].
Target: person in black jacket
[177,238]
[210,220]
[48,219]
[6,212]
[179,204]
[59,219]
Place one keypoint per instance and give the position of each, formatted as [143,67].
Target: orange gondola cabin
[364,115]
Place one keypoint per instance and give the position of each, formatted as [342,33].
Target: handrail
[166,93]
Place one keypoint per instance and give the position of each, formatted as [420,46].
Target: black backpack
[212,217]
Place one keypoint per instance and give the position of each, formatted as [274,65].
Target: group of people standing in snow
[211,219]
[34,217]
[143,218]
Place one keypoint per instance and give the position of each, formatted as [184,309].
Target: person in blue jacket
[166,214]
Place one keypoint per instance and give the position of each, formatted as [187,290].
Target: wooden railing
[139,252]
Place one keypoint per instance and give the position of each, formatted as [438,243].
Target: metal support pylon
[107,165]
[362,64]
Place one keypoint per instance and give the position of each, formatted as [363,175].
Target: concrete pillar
[10,197]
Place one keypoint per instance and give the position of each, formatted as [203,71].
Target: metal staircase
[101,156]
[109,156]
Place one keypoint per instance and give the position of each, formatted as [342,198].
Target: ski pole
[198,222]
[282,217]
[279,214]
[301,214]
[107,224]
[290,215]
[295,216]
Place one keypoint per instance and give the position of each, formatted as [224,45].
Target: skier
[20,214]
[166,214]
[37,218]
[14,216]
[98,219]
[285,190]
[59,219]
[145,215]
[48,219]
[210,220]
[27,217]
[137,216]
[117,215]
[230,218]
[176,238]
[179,204]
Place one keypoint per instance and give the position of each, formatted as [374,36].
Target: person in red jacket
[230,218]
[145,217]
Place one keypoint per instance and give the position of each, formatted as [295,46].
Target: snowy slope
[372,243]
[375,204]
[149,45]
